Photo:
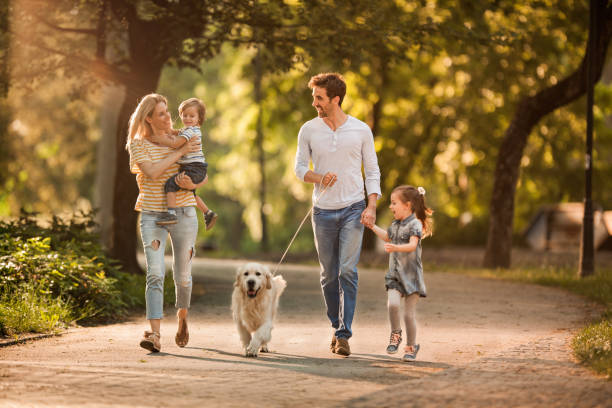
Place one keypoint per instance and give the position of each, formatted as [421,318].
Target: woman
[153,164]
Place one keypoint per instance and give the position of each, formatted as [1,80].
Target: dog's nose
[251,283]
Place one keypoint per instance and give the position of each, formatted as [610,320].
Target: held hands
[368,217]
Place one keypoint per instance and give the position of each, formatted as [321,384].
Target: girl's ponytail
[416,198]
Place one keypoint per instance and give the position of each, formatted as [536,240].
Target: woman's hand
[185,182]
[193,145]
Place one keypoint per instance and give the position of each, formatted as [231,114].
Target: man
[338,145]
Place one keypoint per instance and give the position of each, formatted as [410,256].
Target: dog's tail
[280,284]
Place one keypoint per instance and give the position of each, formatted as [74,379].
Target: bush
[32,310]
[65,261]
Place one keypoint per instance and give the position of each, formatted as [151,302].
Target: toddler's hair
[417,201]
[188,103]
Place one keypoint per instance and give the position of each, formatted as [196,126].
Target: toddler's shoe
[394,341]
[332,346]
[167,219]
[210,218]
[411,353]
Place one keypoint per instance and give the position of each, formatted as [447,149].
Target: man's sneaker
[411,353]
[210,218]
[332,346]
[394,341]
[150,341]
[167,219]
[342,347]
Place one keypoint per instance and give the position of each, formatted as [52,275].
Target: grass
[593,344]
[32,310]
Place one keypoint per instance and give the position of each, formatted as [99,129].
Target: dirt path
[483,343]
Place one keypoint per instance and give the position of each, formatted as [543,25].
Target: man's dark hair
[332,82]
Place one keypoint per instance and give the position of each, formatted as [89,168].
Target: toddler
[192,112]
[404,280]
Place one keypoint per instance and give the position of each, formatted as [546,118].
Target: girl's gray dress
[405,268]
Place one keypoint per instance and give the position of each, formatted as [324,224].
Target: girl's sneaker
[411,352]
[394,341]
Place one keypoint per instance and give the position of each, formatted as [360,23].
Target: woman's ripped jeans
[182,235]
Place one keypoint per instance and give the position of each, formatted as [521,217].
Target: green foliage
[32,308]
[593,346]
[437,81]
[65,261]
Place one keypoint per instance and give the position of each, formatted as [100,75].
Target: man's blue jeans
[338,235]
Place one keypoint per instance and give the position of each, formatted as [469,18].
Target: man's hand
[329,179]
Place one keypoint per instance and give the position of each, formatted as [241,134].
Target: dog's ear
[239,272]
[268,278]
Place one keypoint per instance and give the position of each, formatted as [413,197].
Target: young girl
[405,276]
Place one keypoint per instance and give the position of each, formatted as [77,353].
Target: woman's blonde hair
[145,108]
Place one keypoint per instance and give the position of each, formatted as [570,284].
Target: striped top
[151,195]
[195,157]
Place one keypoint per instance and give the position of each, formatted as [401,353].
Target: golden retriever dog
[254,304]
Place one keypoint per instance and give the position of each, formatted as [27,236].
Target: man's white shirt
[342,152]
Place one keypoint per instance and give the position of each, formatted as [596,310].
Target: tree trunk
[106,151]
[5,112]
[124,239]
[261,154]
[528,113]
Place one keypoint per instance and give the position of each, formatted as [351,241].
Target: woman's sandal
[182,335]
[150,341]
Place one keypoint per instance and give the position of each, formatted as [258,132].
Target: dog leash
[301,224]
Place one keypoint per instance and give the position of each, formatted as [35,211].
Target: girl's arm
[409,247]
[155,170]
[381,233]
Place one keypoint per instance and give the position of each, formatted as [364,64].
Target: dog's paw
[252,351]
[264,349]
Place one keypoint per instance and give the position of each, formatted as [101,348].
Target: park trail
[484,343]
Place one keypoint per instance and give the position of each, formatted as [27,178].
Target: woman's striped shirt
[151,195]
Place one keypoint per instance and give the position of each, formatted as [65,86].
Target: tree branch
[88,31]
[99,68]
